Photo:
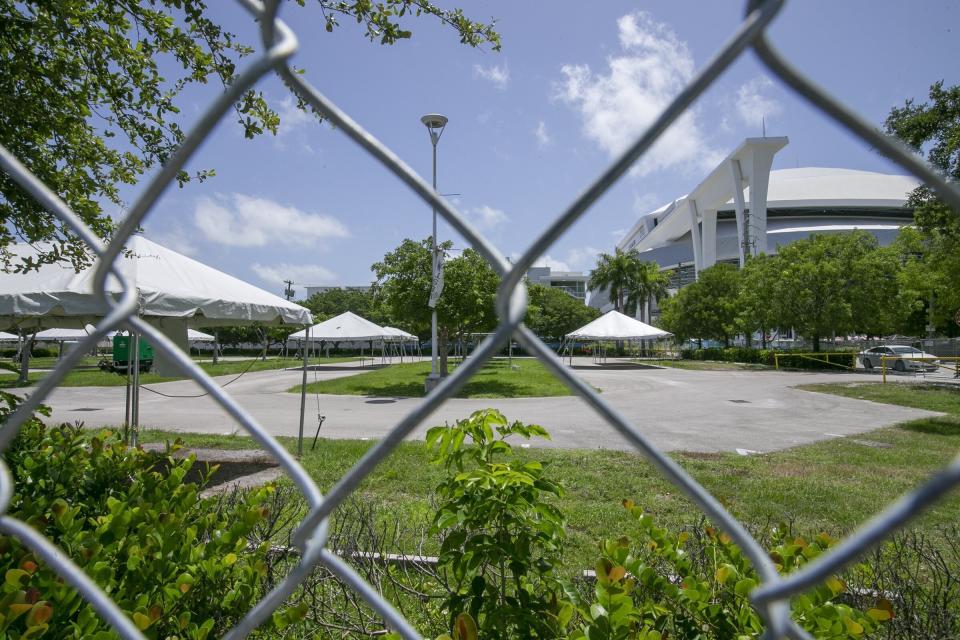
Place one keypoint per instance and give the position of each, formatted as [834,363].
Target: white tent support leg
[135,404]
[126,413]
[303,390]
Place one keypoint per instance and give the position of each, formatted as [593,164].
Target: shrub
[501,540]
[177,564]
[765,356]
[655,587]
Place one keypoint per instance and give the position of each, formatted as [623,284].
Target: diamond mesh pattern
[771,597]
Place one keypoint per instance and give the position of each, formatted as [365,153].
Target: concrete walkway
[676,409]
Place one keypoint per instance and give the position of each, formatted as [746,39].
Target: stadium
[744,208]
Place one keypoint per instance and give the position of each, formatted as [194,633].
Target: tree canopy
[629,281]
[706,308]
[553,313]
[404,278]
[85,107]
[933,268]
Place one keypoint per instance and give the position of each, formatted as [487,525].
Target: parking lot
[749,411]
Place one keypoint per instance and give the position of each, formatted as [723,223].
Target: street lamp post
[435,123]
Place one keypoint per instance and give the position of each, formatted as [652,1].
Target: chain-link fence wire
[771,598]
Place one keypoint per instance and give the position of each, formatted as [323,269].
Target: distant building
[573,283]
[742,208]
[311,291]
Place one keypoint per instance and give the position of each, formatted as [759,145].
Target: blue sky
[530,127]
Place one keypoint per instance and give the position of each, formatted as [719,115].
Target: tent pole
[126,413]
[135,426]
[303,391]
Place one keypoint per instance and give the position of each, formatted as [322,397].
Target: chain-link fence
[771,597]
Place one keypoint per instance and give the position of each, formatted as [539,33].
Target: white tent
[347,326]
[173,291]
[199,336]
[400,334]
[170,285]
[59,335]
[613,325]
[7,337]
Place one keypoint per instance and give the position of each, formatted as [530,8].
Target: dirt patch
[231,464]
[700,455]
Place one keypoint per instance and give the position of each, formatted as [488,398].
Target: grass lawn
[828,486]
[97,378]
[527,378]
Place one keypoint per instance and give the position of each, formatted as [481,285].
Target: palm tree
[648,283]
[615,274]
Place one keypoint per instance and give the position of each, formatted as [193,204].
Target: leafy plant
[501,540]
[654,588]
[177,564]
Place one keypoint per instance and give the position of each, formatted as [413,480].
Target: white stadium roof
[828,187]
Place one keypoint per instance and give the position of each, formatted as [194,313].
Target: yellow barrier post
[883,367]
[776,361]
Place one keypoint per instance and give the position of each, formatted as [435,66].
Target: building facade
[573,283]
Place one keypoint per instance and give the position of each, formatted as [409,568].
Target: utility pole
[288,292]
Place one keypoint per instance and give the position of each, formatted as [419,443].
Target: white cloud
[498,75]
[291,117]
[174,238]
[583,258]
[754,105]
[543,136]
[487,217]
[302,275]
[619,105]
[239,220]
[553,263]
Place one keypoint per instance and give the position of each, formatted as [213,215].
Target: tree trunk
[442,342]
[763,337]
[816,343]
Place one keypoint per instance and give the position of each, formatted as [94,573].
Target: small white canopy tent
[614,325]
[199,336]
[346,327]
[7,337]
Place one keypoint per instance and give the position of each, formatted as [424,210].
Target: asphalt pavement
[750,411]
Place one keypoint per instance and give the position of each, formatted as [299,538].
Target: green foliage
[501,540]
[707,308]
[653,587]
[89,97]
[843,358]
[404,278]
[629,280]
[553,313]
[934,266]
[835,284]
[177,564]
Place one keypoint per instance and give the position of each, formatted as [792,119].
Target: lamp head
[435,124]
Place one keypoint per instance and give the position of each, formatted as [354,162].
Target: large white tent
[170,286]
[8,337]
[614,325]
[173,291]
[345,327]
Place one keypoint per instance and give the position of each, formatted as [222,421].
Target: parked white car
[899,358]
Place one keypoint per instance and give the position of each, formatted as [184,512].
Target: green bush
[177,564]
[658,587]
[36,352]
[835,361]
[501,540]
